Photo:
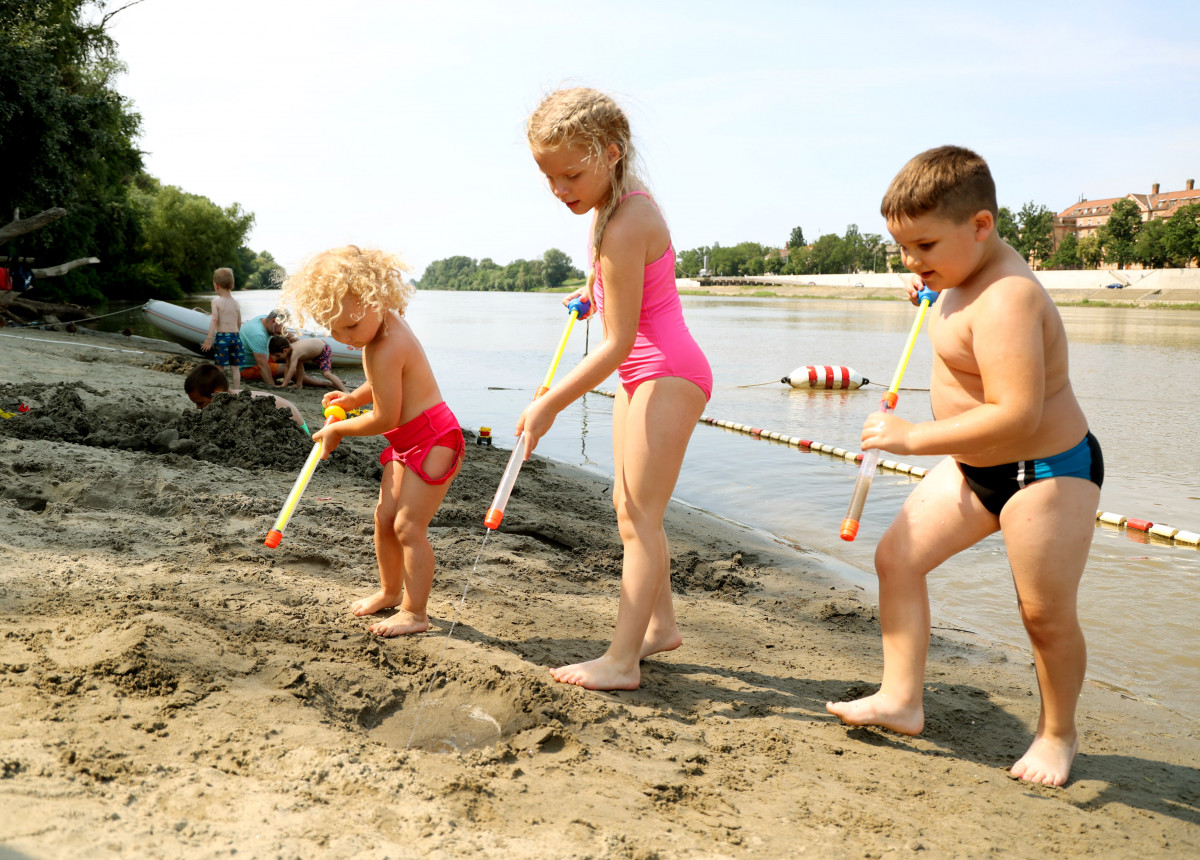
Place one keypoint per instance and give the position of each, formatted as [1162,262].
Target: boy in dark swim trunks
[360,296]
[1021,459]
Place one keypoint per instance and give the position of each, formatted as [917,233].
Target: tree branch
[105,19]
[16,228]
[55,271]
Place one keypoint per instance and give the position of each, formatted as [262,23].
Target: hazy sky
[401,124]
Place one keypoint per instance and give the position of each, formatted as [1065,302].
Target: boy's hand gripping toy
[887,403]
[275,535]
[578,307]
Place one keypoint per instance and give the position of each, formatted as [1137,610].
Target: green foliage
[796,240]
[1007,227]
[464,273]
[1181,236]
[68,139]
[1091,252]
[1066,256]
[1119,232]
[1036,239]
[1149,248]
[257,271]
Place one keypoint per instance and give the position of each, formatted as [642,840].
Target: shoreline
[169,684]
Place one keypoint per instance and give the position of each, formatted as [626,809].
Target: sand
[171,688]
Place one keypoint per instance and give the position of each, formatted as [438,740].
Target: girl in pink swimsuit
[581,142]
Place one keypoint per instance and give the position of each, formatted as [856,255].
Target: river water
[1136,372]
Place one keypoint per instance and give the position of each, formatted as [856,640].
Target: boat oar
[886,404]
[495,514]
[275,535]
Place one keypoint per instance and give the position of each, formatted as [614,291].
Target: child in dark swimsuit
[360,296]
[1021,460]
[581,142]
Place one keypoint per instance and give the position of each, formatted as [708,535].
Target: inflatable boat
[190,327]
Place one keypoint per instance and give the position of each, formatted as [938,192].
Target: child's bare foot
[656,643]
[1047,761]
[401,623]
[377,601]
[599,674]
[879,710]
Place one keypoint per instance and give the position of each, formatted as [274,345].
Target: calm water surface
[1136,372]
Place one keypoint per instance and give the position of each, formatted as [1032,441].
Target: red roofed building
[1087,216]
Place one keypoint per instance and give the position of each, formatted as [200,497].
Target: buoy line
[1158,530]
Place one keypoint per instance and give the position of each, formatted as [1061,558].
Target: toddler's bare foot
[599,674]
[880,710]
[656,643]
[401,623]
[376,602]
[1047,761]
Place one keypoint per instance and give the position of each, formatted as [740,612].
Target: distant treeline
[465,273]
[1158,243]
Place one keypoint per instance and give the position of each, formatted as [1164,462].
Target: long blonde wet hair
[316,290]
[581,116]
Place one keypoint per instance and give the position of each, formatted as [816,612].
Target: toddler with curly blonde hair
[360,295]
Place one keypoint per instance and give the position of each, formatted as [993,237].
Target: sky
[400,123]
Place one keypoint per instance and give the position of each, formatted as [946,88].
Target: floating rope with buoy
[1150,529]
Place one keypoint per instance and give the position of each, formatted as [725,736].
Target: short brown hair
[223,277]
[277,343]
[206,380]
[949,181]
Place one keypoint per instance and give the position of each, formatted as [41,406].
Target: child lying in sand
[208,380]
[360,296]
[308,349]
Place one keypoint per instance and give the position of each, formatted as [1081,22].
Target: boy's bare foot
[599,674]
[1047,761]
[879,710]
[401,623]
[656,643]
[376,602]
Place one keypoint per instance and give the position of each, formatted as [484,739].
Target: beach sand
[171,688]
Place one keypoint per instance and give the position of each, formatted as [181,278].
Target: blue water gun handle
[580,305]
[926,293]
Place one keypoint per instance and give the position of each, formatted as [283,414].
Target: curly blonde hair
[316,291]
[588,118]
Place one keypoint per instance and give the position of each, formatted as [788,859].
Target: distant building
[1084,218]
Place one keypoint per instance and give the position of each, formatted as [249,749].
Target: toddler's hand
[329,438]
[534,423]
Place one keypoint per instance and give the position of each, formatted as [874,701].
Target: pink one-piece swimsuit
[664,346]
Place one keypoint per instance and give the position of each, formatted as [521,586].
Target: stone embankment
[1137,287]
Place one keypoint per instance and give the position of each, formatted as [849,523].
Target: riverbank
[1183,294]
[172,688]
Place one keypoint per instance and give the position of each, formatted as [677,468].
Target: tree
[1091,253]
[1119,232]
[1006,226]
[1036,240]
[1181,236]
[1066,256]
[1149,249]
[796,240]
[189,236]
[557,268]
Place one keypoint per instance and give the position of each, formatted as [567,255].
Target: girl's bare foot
[401,623]
[1047,761]
[656,643]
[599,674]
[377,601]
[880,710]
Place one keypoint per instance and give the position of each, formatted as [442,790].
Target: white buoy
[824,376]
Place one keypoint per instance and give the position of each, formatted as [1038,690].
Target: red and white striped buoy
[824,376]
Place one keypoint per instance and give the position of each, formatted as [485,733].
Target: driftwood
[19,309]
[63,268]
[20,226]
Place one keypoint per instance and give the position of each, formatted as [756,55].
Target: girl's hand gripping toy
[887,403]
[275,535]
[578,307]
